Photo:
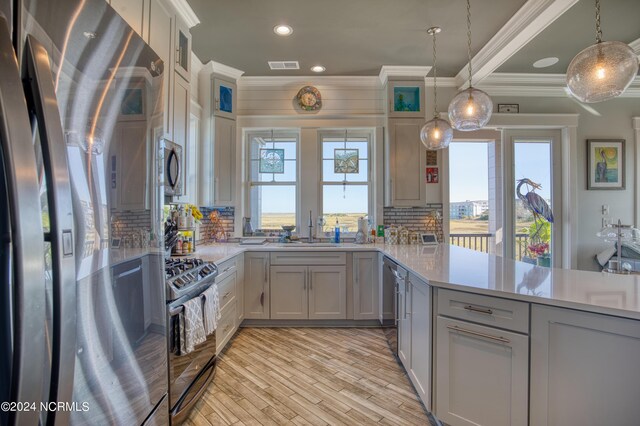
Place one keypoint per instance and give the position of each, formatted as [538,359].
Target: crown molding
[538,85]
[404,71]
[442,82]
[213,67]
[185,12]
[370,82]
[530,20]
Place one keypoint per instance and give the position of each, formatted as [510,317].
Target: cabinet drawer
[227,290]
[227,267]
[493,311]
[226,326]
[308,258]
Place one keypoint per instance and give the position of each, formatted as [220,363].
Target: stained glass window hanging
[346,161]
[271,160]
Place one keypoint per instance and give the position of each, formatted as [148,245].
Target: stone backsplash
[419,219]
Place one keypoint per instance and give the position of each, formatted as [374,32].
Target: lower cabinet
[366,288]
[308,292]
[585,368]
[229,281]
[420,371]
[256,285]
[404,321]
[481,375]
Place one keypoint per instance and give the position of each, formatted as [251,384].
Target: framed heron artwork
[606,163]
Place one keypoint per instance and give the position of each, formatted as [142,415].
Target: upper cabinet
[405,164]
[132,11]
[159,36]
[182,49]
[224,98]
[405,99]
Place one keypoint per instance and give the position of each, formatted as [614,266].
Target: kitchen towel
[211,309]
[191,326]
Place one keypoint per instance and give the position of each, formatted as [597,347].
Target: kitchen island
[483,339]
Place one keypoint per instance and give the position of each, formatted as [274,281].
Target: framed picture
[432,175]
[508,108]
[432,158]
[605,163]
[406,99]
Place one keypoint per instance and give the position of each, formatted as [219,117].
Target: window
[273,176]
[345,181]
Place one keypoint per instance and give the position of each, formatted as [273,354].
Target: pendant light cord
[435,78]
[469,37]
[598,28]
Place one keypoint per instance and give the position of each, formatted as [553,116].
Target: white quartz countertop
[462,269]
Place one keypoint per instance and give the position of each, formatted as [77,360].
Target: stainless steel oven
[191,373]
[173,169]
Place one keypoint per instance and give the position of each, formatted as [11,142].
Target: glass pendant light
[471,108]
[602,71]
[436,133]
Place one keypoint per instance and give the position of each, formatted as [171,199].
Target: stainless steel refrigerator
[82,298]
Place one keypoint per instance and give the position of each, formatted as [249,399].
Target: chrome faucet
[310,227]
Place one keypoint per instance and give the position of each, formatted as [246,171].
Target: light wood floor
[309,376]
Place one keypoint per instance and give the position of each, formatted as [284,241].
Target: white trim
[442,82]
[404,71]
[313,117]
[283,81]
[213,67]
[635,45]
[185,12]
[533,121]
[196,109]
[532,18]
[545,85]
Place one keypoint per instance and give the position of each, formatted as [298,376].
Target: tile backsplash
[227,219]
[416,218]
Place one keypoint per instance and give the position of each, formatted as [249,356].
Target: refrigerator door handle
[43,107]
[25,355]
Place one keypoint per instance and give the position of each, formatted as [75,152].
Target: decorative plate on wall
[309,98]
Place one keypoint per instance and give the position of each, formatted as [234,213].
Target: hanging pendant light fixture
[602,71]
[471,108]
[436,133]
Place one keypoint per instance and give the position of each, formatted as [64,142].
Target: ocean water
[610,176]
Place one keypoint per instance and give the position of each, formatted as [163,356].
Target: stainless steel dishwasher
[393,277]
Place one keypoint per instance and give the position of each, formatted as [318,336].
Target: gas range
[184,276]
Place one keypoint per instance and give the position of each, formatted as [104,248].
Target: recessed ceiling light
[545,62]
[318,68]
[283,30]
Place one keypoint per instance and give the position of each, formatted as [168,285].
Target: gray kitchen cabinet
[404,321]
[182,49]
[289,296]
[256,286]
[224,161]
[405,164]
[365,286]
[584,368]
[481,375]
[327,286]
[420,371]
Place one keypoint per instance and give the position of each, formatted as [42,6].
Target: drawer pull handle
[478,334]
[226,294]
[478,310]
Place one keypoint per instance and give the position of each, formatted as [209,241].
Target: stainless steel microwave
[173,169]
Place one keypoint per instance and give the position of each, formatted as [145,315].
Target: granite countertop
[462,269]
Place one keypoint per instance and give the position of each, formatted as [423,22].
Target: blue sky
[468,164]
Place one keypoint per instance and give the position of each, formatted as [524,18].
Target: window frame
[369,135]
[250,183]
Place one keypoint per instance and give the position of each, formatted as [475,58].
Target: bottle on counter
[336,235]
[179,245]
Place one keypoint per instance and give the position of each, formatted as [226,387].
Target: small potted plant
[539,239]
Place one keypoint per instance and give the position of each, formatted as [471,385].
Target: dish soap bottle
[336,238]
